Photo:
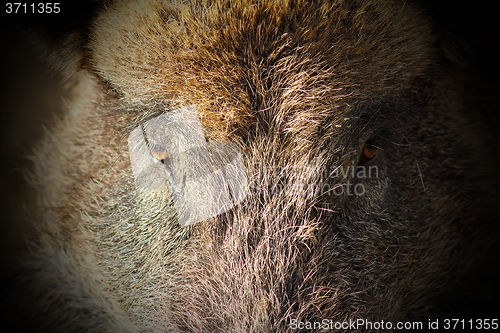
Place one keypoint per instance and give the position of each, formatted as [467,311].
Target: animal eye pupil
[369,152]
[160,155]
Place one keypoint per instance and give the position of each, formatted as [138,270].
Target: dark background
[29,102]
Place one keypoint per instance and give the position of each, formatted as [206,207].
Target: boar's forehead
[234,59]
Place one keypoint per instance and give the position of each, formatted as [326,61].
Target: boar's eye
[159,154]
[368,152]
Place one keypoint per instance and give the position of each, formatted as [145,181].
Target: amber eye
[159,154]
[368,153]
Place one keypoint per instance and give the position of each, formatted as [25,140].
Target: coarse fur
[300,87]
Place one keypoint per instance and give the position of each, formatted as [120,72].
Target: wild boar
[261,166]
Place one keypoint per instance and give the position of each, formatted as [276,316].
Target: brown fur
[296,85]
